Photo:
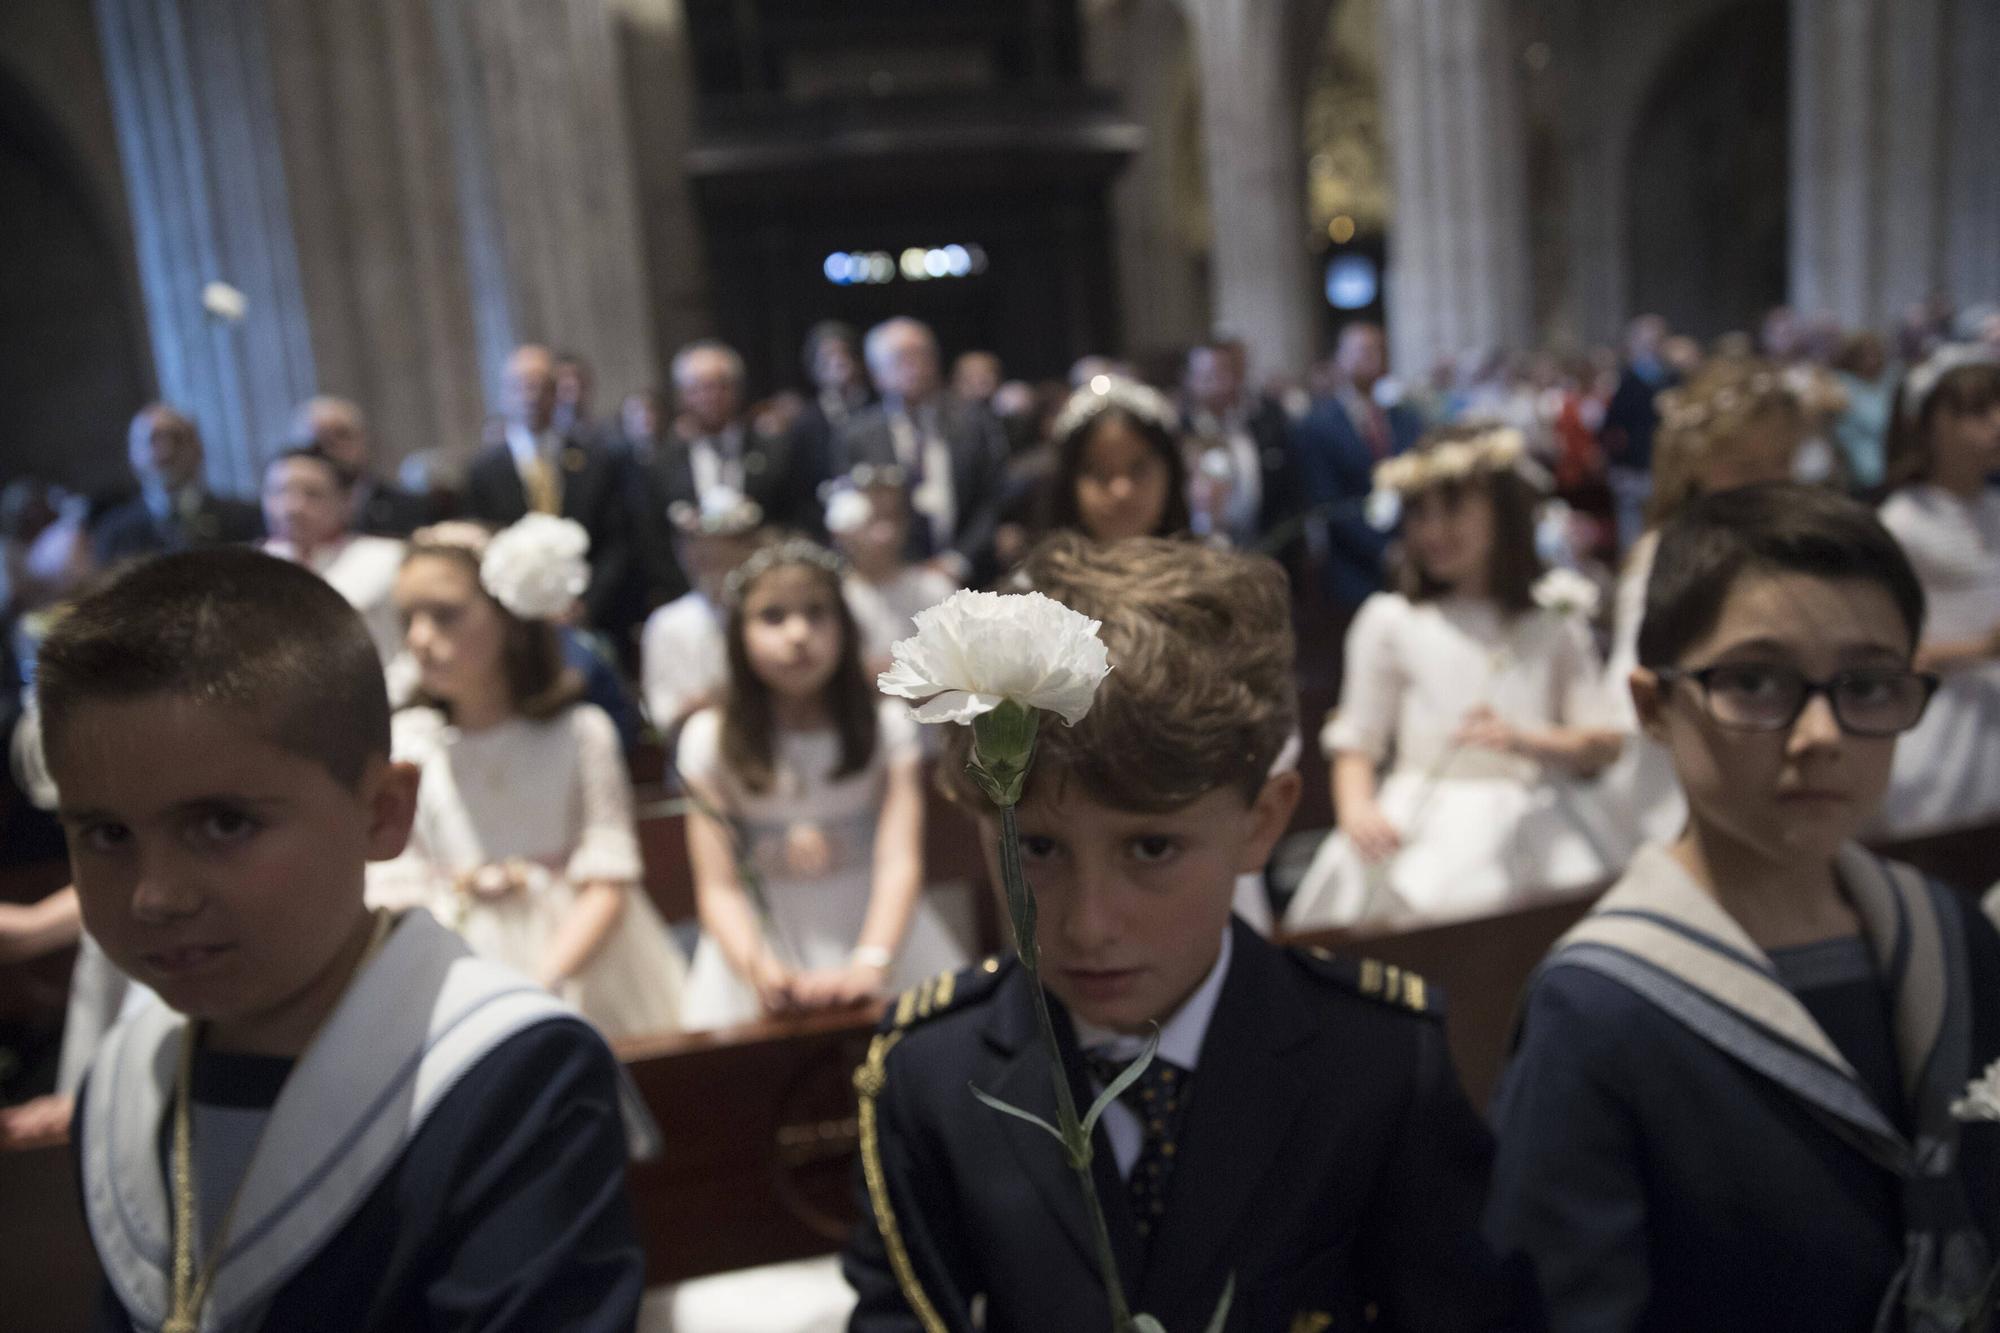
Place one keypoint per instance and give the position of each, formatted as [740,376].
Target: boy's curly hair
[1201,693]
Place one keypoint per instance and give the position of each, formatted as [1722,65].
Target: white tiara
[791,551]
[1105,392]
[1922,382]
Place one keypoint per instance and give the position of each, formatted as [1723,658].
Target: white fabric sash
[417,1018]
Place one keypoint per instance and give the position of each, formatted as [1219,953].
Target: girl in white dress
[524,839]
[307,501]
[1945,444]
[1738,422]
[868,515]
[813,782]
[1476,688]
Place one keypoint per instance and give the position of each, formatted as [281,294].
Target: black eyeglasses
[1757,697]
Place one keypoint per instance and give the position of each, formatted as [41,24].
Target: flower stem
[1076,1145]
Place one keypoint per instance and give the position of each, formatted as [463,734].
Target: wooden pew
[1482,965]
[760,1141]
[48,1271]
[1968,859]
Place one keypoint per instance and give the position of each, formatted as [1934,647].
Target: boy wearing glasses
[1729,1105]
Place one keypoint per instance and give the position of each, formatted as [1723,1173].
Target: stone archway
[71,369]
[1706,175]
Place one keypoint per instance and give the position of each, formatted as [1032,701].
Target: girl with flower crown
[807,840]
[524,838]
[1468,707]
[1944,448]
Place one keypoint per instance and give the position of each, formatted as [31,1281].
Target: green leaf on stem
[1145,1323]
[1221,1319]
[1125,1079]
[1019,1114]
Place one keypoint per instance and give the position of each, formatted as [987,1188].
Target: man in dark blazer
[713,449]
[534,467]
[174,508]
[953,453]
[832,357]
[380,508]
[1340,441]
[1250,433]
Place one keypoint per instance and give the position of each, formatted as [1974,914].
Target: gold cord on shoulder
[868,1082]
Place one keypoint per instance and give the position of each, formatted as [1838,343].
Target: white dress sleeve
[1628,611]
[676,660]
[698,756]
[1371,690]
[1577,681]
[607,846]
[898,735]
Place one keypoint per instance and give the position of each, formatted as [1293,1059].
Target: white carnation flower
[536,568]
[1982,1097]
[1566,592]
[976,650]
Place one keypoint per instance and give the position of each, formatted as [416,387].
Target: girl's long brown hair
[749,743]
[1512,566]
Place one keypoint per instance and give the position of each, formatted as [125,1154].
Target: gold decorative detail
[869,1081]
[1371,977]
[1413,992]
[1311,1321]
[990,966]
[947,986]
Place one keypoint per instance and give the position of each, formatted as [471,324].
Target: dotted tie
[1160,1099]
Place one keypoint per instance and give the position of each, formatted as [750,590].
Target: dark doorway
[71,367]
[1709,172]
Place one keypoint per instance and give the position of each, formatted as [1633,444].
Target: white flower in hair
[975,651]
[848,511]
[536,567]
[1982,1097]
[1567,593]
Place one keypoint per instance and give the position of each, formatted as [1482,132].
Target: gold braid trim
[868,1082]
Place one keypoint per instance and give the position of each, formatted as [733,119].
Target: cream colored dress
[1481,831]
[1641,794]
[815,920]
[554,797]
[1947,772]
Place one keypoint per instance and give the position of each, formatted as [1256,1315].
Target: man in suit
[1300,1130]
[952,453]
[1247,448]
[535,467]
[832,356]
[174,509]
[337,427]
[1340,441]
[710,454]
[1630,420]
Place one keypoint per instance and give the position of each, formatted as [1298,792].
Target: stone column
[1894,156]
[545,184]
[1458,242]
[195,108]
[1262,287]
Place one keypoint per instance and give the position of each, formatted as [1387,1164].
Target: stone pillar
[196,115]
[1894,156]
[375,212]
[1458,242]
[1262,287]
[545,184]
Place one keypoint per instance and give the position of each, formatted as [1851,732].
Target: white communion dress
[553,800]
[815,919]
[1481,831]
[1640,792]
[1947,771]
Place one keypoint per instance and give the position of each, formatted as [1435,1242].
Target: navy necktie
[1160,1099]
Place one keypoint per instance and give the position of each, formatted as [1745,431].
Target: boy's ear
[390,789]
[1649,700]
[1270,816]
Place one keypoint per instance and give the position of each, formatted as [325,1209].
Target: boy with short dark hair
[1730,1106]
[345,1121]
[1301,1128]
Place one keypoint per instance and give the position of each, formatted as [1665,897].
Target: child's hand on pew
[1371,832]
[36,1123]
[777,986]
[838,987]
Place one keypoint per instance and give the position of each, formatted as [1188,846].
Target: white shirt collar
[1180,1036]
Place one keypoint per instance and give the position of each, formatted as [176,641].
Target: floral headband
[1816,394]
[1502,449]
[791,551]
[535,568]
[1922,382]
[723,512]
[1105,392]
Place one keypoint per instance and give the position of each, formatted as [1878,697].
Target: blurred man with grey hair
[340,431]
